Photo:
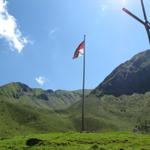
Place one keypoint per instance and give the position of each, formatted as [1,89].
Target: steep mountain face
[47,99]
[130,77]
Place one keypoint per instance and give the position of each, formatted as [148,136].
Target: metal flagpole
[83,89]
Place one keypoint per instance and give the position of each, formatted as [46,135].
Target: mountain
[24,110]
[133,76]
[110,113]
[121,102]
[47,99]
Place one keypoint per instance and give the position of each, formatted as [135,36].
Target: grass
[110,113]
[107,113]
[18,119]
[79,141]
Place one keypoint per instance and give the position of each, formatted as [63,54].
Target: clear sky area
[38,39]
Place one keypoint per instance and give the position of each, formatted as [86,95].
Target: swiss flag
[80,50]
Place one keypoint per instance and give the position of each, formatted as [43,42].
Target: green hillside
[107,113]
[19,119]
[24,110]
[110,113]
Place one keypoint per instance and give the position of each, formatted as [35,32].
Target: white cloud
[41,80]
[53,32]
[9,29]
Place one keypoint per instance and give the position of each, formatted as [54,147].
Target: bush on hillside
[142,126]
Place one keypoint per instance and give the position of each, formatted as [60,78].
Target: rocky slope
[133,76]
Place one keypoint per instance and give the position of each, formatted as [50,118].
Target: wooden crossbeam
[145,22]
[134,16]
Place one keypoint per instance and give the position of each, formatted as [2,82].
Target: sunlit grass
[80,141]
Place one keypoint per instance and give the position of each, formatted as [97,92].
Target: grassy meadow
[78,141]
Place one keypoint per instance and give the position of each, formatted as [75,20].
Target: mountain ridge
[122,101]
[25,110]
[130,77]
[59,99]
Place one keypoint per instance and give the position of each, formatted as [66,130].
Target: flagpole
[83,89]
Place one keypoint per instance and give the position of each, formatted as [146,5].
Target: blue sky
[46,33]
